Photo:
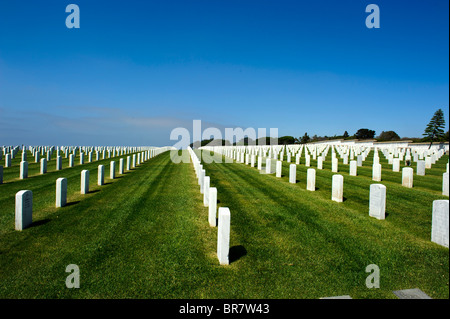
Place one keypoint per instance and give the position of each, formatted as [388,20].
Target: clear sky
[135,70]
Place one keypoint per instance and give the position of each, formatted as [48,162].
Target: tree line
[434,132]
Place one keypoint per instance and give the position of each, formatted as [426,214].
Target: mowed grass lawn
[300,244]
[146,235]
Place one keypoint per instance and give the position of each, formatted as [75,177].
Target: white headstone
[407,177]
[427,162]
[61,191]
[320,162]
[279,169]
[23,170]
[445,184]
[421,168]
[24,209]
[396,165]
[359,160]
[353,168]
[71,160]
[202,175]
[128,163]
[121,166]
[101,175]
[43,168]
[377,201]
[223,236]
[212,207]
[8,160]
[440,223]
[311,179]
[206,182]
[112,170]
[337,192]
[334,165]
[58,163]
[268,166]
[292,173]
[84,181]
[376,172]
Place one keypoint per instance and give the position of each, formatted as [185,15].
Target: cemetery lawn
[146,234]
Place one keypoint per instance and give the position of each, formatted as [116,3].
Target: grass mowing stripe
[144,236]
[343,242]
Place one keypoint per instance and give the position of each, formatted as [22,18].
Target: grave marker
[223,236]
[84,182]
[212,206]
[61,192]
[101,175]
[377,201]
[292,173]
[440,223]
[337,192]
[407,177]
[24,209]
[311,179]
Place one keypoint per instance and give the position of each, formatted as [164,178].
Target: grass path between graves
[300,244]
[146,235]
[131,238]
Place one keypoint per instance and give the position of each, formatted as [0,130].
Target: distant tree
[345,134]
[284,140]
[388,136]
[446,137]
[364,133]
[245,141]
[435,129]
[305,139]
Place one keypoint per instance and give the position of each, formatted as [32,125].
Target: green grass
[146,235]
[303,245]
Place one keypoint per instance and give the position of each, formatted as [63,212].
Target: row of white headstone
[210,201]
[24,198]
[136,159]
[407,172]
[71,153]
[345,152]
[377,197]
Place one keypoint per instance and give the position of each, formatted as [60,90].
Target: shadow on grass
[72,203]
[236,252]
[39,222]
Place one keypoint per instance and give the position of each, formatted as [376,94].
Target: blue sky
[135,70]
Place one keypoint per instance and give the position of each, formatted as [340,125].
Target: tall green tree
[435,129]
[305,139]
[388,136]
[364,133]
